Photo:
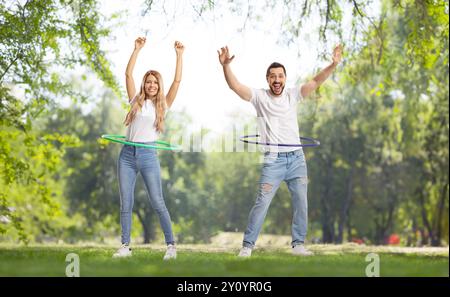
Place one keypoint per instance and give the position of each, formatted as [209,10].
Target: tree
[37,45]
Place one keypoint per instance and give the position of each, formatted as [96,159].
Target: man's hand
[224,56]
[337,54]
[179,47]
[313,84]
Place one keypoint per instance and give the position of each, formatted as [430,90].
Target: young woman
[145,121]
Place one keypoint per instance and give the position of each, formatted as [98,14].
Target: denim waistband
[279,154]
[149,143]
[134,148]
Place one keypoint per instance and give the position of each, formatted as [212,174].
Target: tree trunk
[379,234]
[349,226]
[384,224]
[436,239]
[327,217]
[345,208]
[426,223]
[148,226]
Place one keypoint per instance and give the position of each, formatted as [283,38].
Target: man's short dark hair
[275,65]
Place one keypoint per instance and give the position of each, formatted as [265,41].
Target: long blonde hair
[159,102]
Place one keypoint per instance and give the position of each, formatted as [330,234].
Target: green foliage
[382,121]
[387,123]
[31,188]
[40,39]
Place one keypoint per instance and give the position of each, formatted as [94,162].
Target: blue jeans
[291,168]
[133,160]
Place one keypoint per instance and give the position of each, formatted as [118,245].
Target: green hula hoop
[162,145]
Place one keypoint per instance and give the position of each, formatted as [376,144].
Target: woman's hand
[179,47]
[139,43]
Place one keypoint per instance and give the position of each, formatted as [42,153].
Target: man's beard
[273,90]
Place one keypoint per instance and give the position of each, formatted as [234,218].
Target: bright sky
[203,92]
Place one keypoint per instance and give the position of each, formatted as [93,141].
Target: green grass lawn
[200,260]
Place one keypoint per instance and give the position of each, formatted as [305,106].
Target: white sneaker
[171,252]
[123,251]
[300,250]
[245,252]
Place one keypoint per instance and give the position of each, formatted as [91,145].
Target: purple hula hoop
[313,144]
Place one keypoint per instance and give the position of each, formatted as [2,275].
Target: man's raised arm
[312,85]
[241,90]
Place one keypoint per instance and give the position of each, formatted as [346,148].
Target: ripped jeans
[291,168]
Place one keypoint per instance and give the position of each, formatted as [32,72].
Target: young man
[276,108]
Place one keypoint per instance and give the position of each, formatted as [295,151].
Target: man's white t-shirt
[277,118]
[142,128]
